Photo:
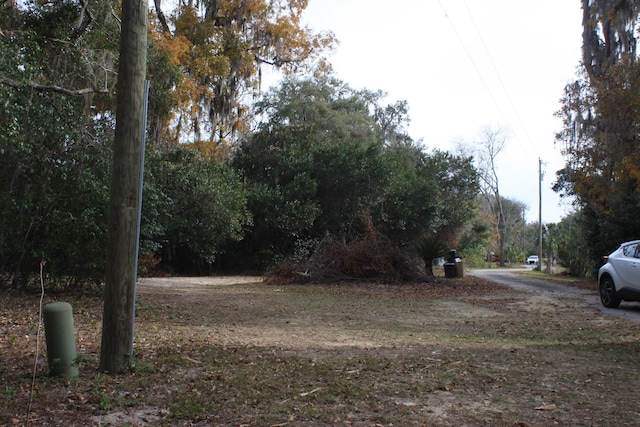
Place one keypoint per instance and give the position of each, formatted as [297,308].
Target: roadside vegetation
[242,178]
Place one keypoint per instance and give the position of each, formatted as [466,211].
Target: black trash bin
[453,267]
[450,270]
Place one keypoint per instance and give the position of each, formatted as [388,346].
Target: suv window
[629,250]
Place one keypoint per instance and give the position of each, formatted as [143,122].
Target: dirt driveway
[540,291]
[588,298]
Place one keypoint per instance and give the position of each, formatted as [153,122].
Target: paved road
[627,310]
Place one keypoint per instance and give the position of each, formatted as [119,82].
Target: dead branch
[161,17]
[49,88]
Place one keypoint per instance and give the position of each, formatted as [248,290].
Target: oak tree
[599,136]
[221,48]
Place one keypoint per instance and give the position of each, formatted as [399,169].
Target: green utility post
[62,354]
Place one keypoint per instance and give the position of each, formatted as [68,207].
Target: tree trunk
[116,354]
[428,266]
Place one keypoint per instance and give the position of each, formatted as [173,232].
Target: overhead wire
[495,69]
[464,46]
[480,75]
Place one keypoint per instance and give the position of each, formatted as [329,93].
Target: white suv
[619,277]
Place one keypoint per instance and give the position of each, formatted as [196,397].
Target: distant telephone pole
[539,214]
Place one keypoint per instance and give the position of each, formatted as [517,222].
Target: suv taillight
[605,259]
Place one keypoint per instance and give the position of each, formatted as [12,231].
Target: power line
[495,69]
[472,61]
[486,86]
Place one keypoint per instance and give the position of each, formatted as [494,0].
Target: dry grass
[454,352]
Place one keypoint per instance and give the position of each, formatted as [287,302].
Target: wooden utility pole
[116,354]
[539,268]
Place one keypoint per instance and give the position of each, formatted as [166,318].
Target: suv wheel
[608,295]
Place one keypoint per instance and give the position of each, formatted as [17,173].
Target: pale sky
[463,65]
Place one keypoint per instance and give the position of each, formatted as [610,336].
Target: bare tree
[487,148]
